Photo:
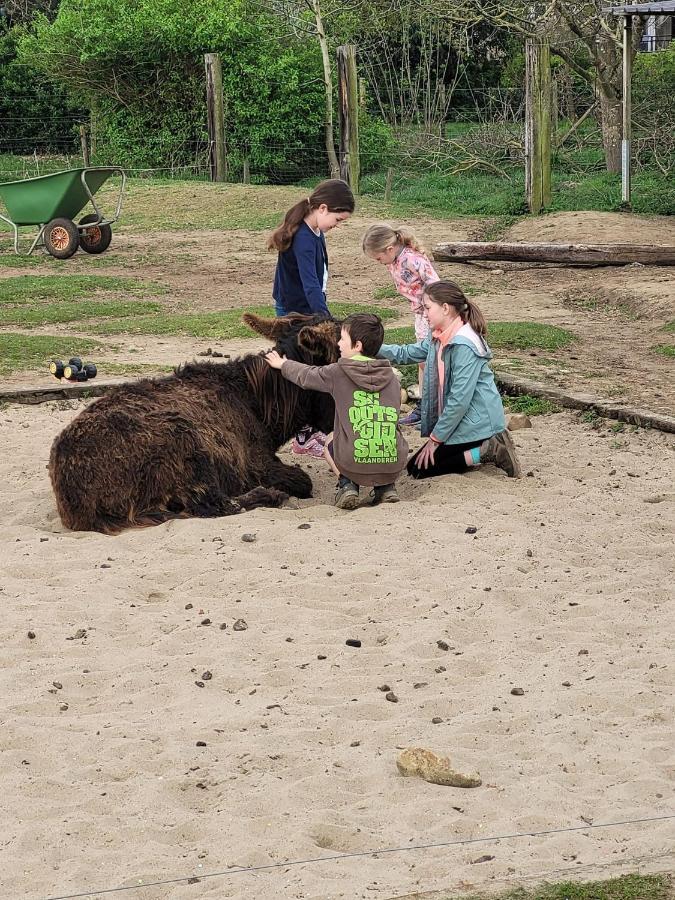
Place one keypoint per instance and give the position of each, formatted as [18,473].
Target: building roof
[664,8]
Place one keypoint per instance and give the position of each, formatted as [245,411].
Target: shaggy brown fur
[201,442]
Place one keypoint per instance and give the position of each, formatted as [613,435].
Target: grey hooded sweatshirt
[368,447]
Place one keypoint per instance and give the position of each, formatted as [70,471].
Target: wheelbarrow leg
[16,233]
[37,239]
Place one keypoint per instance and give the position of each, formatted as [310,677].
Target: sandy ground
[565,591]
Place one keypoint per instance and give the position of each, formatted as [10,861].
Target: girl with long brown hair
[462,413]
[301,275]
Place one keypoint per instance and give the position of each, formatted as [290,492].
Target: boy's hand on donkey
[274,359]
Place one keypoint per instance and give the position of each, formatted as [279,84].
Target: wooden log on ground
[568,254]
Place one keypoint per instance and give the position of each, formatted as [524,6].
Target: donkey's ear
[321,340]
[273,328]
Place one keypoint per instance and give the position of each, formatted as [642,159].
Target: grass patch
[627,887]
[531,406]
[23,289]
[670,326]
[216,325]
[504,336]
[388,292]
[12,261]
[52,314]
[23,351]
[664,349]
[527,336]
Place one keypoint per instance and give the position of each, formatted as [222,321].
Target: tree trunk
[611,121]
[328,81]
[569,254]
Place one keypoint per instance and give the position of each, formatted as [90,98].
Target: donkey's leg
[260,496]
[291,479]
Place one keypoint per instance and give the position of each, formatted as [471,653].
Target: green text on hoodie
[368,447]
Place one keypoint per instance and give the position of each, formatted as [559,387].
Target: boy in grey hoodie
[367,447]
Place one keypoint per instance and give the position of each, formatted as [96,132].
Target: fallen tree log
[569,254]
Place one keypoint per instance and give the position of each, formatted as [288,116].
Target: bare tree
[568,24]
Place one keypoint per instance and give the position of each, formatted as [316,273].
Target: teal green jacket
[472,408]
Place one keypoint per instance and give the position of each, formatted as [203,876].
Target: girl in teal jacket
[462,412]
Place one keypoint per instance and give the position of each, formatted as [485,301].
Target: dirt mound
[591,227]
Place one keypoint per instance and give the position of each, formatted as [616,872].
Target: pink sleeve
[426,271]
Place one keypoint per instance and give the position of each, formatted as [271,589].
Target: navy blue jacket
[298,280]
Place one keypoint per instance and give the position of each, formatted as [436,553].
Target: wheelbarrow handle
[118,210]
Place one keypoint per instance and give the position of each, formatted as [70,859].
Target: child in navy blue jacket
[302,265]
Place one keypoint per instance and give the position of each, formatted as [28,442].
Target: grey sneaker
[500,450]
[347,495]
[385,493]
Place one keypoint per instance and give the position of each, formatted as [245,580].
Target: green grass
[216,325]
[387,292]
[67,311]
[670,326]
[21,351]
[22,289]
[12,261]
[504,336]
[531,406]
[627,887]
[490,195]
[664,349]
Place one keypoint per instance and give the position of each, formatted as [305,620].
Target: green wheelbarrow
[51,202]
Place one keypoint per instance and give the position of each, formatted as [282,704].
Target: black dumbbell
[56,368]
[90,370]
[75,361]
[80,376]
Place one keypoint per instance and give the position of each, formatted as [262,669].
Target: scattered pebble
[567,684]
[391,697]
[207,676]
[240,625]
[79,634]
[57,685]
[201,743]
[199,683]
[529,553]
[322,656]
[304,526]
[31,635]
[353,642]
[583,653]
[63,707]
[482,859]
[517,692]
[223,626]
[471,530]
[442,645]
[440,669]
[384,688]
[249,538]
[355,744]
[436,720]
[188,606]
[205,622]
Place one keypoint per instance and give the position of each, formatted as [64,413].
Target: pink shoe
[311,447]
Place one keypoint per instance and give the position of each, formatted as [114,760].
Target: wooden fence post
[349,116]
[215,110]
[538,124]
[85,148]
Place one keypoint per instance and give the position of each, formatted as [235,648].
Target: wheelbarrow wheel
[97,238]
[61,238]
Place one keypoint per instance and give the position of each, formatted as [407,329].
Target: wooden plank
[570,254]
[349,116]
[515,386]
[509,384]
